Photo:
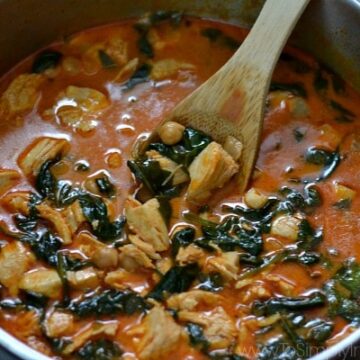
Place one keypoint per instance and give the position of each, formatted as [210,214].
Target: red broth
[308,107]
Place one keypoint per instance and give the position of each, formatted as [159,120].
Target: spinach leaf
[344,115]
[106,61]
[217,36]
[145,45]
[298,134]
[108,302]
[46,60]
[28,301]
[196,337]
[294,88]
[192,143]
[319,331]
[25,223]
[141,75]
[349,277]
[65,194]
[101,349]
[288,304]
[182,238]
[338,84]
[308,238]
[95,212]
[328,160]
[177,280]
[105,186]
[226,357]
[299,66]
[213,282]
[45,181]
[320,83]
[45,245]
[343,204]
[277,349]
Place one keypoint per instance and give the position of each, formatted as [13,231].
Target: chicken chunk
[74,216]
[117,279]
[178,175]
[97,328]
[41,150]
[190,254]
[55,217]
[58,324]
[15,260]
[83,279]
[42,281]
[219,328]
[131,258]
[227,264]
[147,222]
[160,335]
[147,248]
[87,244]
[210,170]
[8,179]
[167,68]
[17,201]
[191,299]
[21,95]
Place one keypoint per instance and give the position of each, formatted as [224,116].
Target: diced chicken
[78,106]
[17,201]
[27,324]
[190,254]
[286,226]
[191,299]
[87,244]
[40,151]
[161,335]
[233,147]
[227,264]
[22,94]
[97,328]
[117,49]
[164,265]
[219,328]
[177,174]
[42,281]
[167,68]
[83,279]
[55,217]
[74,216]
[8,179]
[147,248]
[15,260]
[210,170]
[147,222]
[58,324]
[131,258]
[117,279]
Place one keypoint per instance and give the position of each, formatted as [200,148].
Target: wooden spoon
[232,101]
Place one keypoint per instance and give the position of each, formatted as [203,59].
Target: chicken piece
[163,265]
[178,175]
[41,150]
[117,279]
[210,170]
[83,279]
[17,201]
[74,216]
[8,179]
[42,281]
[96,329]
[22,94]
[147,248]
[15,260]
[117,49]
[131,258]
[161,335]
[167,68]
[87,244]
[233,147]
[227,264]
[191,299]
[219,328]
[190,254]
[55,217]
[147,222]
[58,324]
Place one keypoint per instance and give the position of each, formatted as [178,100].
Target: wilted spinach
[217,36]
[106,61]
[182,238]
[344,115]
[177,280]
[101,349]
[213,282]
[196,337]
[192,143]
[141,75]
[46,60]
[320,82]
[108,302]
[105,186]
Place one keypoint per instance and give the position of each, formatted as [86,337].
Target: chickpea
[255,199]
[286,226]
[233,147]
[171,133]
[105,258]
